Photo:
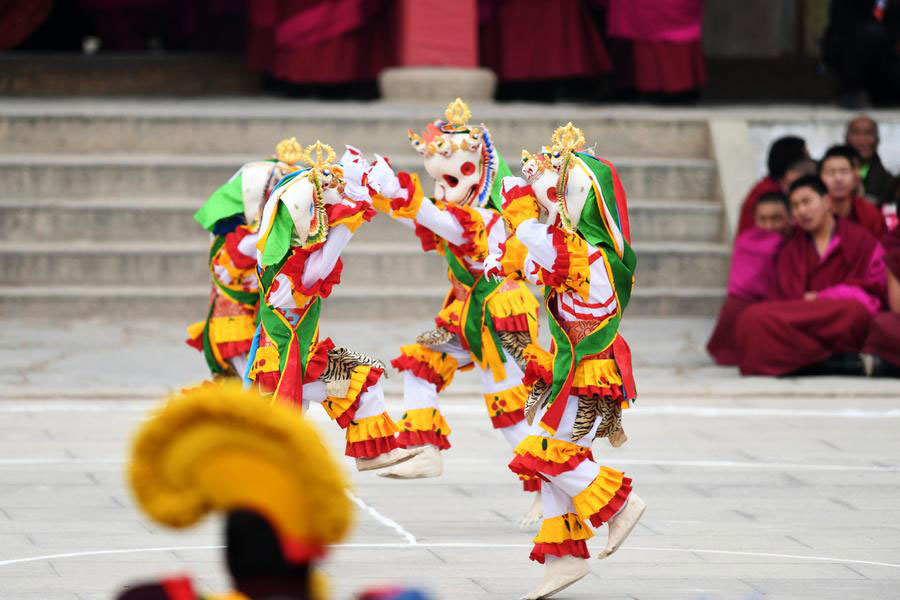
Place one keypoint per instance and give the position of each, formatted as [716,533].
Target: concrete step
[254,126]
[188,303]
[114,74]
[157,175]
[122,219]
[390,264]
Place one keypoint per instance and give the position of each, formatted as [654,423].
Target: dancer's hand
[383,180]
[355,168]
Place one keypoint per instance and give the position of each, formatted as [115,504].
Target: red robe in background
[750,281]
[884,331]
[666,39]
[787,333]
[764,186]
[866,214]
[322,41]
[534,39]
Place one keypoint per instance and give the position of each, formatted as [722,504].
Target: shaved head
[862,134]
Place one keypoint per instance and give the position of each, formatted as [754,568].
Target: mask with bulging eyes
[457,166]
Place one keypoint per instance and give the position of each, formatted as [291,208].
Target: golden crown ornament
[289,151]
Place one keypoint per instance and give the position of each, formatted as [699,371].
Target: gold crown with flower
[438,137]
[289,151]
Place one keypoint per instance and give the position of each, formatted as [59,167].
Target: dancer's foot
[395,456]
[428,463]
[622,524]
[533,515]
[558,575]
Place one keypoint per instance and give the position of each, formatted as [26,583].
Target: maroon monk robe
[884,331]
[787,333]
[764,186]
[864,212]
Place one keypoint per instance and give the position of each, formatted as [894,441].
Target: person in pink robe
[829,281]
[666,43]
[752,272]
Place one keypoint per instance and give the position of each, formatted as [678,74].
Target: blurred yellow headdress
[220,448]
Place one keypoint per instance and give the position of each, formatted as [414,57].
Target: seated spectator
[788,159]
[752,272]
[829,280]
[882,347]
[839,171]
[862,135]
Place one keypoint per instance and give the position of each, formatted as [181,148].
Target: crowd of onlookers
[813,287]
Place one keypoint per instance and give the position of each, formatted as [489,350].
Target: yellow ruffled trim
[506,401]
[475,231]
[521,209]
[513,258]
[351,222]
[601,372]
[412,208]
[425,419]
[370,428]
[515,301]
[578,277]
[557,530]
[442,363]
[594,497]
[381,204]
[548,449]
[535,353]
[231,329]
[336,406]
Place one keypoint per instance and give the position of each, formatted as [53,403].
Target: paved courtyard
[756,488]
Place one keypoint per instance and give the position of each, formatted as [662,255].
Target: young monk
[882,347]
[752,272]
[839,170]
[788,160]
[829,279]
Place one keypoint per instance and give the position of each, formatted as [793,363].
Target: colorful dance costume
[230,215]
[485,323]
[307,222]
[583,259]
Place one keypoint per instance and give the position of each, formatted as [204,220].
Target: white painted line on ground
[387,521]
[699,464]
[470,545]
[477,410]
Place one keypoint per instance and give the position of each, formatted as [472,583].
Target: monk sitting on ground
[839,169]
[829,281]
[788,160]
[752,272]
[882,347]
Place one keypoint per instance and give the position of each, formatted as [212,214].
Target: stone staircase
[96,199]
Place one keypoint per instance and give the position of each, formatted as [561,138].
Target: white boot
[558,575]
[428,463]
[534,514]
[622,524]
[395,456]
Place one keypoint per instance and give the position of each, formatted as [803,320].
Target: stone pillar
[438,53]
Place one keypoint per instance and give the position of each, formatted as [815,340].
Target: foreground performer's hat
[223,448]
